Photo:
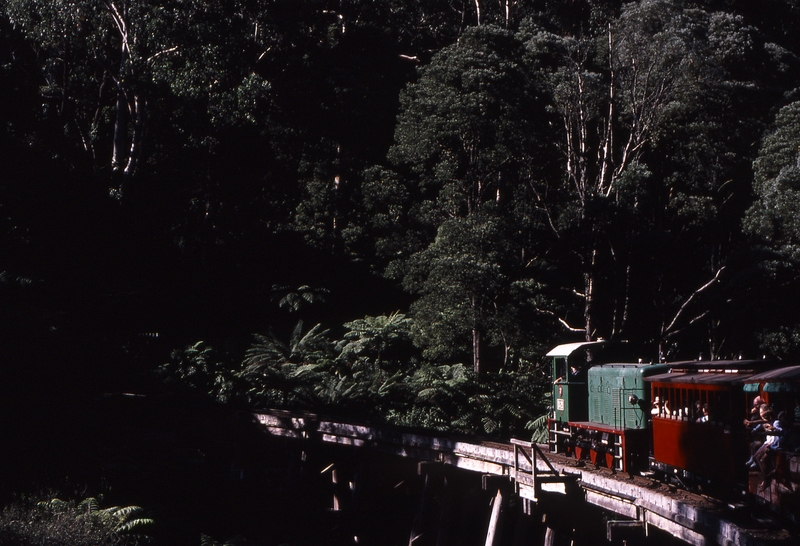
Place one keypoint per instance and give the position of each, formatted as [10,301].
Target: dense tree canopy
[506,175]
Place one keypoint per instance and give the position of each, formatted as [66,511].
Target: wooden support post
[554,536]
[335,485]
[491,533]
[549,537]
[446,514]
[502,487]
[335,482]
[417,529]
[559,524]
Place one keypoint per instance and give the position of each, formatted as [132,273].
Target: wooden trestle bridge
[545,483]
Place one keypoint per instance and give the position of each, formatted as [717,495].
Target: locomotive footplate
[603,445]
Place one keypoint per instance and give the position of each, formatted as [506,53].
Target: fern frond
[539,429]
[89,505]
[133,526]
[56,505]
[489,424]
[122,513]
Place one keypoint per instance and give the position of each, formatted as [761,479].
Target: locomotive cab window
[560,370]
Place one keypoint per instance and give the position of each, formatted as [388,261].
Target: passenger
[656,407]
[758,432]
[765,430]
[698,410]
[703,414]
[775,433]
[753,415]
[755,421]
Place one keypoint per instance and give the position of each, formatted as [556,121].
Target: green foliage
[206,540]
[196,367]
[304,347]
[56,522]
[465,124]
[540,433]
[773,223]
[373,338]
[774,217]
[782,342]
[278,374]
[461,280]
[369,374]
[295,301]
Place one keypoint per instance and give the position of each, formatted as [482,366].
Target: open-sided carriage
[697,419]
[780,487]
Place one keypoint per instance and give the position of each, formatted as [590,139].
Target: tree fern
[269,351]
[538,428]
[296,300]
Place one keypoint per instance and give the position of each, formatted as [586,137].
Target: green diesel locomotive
[601,409]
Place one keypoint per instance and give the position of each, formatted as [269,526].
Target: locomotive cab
[570,366]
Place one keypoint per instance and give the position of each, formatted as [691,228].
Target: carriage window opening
[683,409]
[688,405]
[673,402]
[700,407]
[724,405]
[658,402]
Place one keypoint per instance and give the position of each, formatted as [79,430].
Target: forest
[381,208]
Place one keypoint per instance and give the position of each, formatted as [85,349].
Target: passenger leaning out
[772,432]
[754,417]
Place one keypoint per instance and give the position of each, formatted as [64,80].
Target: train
[688,423]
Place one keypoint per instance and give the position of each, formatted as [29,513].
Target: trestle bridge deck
[524,470]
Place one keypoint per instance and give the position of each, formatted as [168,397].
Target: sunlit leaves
[776,215]
[464,125]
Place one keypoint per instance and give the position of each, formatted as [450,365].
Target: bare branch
[691,322]
[690,299]
[164,52]
[562,321]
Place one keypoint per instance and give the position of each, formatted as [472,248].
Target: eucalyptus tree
[119,76]
[773,221]
[464,141]
[93,58]
[644,158]
[460,280]
[464,126]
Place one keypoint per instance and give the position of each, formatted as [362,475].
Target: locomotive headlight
[633,399]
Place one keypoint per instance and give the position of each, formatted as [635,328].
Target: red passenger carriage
[697,423]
